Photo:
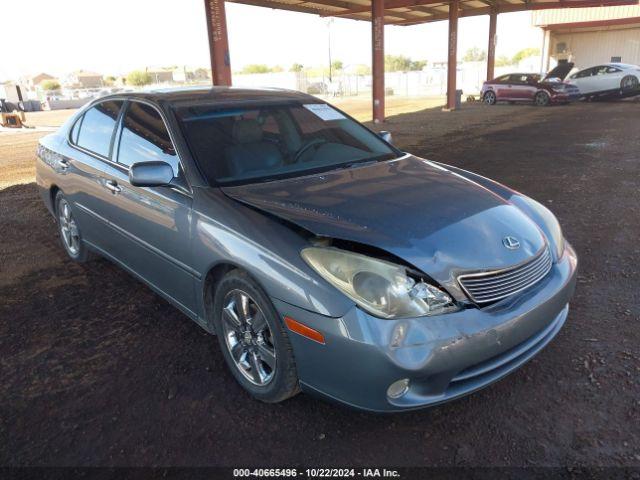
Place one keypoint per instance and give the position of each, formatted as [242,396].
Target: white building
[590,36]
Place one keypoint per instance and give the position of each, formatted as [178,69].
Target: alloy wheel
[629,83]
[490,98]
[68,228]
[248,337]
[542,99]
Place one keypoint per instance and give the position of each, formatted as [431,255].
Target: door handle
[112,186]
[63,163]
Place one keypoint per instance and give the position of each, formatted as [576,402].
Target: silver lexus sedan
[322,257]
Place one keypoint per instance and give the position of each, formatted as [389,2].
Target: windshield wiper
[366,161]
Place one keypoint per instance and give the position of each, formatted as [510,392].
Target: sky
[116,36]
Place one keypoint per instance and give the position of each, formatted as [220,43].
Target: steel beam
[218,42]
[452,63]
[491,50]
[377,60]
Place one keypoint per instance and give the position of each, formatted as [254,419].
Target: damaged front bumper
[443,357]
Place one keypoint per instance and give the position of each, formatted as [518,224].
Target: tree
[400,63]
[277,69]
[337,65]
[396,63]
[296,67]
[256,68]
[417,65]
[109,81]
[138,78]
[362,69]
[525,53]
[474,55]
[50,85]
[503,61]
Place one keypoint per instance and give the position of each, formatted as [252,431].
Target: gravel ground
[98,370]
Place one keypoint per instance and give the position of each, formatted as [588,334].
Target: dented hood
[432,218]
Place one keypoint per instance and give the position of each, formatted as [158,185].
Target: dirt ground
[98,370]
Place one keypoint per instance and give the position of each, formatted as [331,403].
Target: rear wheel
[629,84]
[69,230]
[542,99]
[253,339]
[490,98]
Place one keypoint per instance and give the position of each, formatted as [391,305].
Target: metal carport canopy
[387,12]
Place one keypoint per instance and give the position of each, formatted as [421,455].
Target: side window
[613,70]
[95,129]
[76,129]
[145,137]
[584,73]
[503,79]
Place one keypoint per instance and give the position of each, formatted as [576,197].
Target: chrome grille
[491,286]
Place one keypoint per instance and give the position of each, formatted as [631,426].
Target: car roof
[215,95]
[622,65]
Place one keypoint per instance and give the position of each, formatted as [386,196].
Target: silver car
[322,257]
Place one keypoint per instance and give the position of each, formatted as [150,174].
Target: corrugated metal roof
[413,12]
[596,14]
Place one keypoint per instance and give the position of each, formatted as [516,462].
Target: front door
[153,225]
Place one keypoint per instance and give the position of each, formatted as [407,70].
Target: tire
[490,98]
[629,84]
[248,325]
[542,99]
[70,236]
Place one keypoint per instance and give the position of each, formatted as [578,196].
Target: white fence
[430,81]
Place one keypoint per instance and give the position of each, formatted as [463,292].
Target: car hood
[434,219]
[560,71]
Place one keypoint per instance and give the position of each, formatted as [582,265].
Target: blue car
[323,258]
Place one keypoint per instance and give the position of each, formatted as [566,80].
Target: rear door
[153,224]
[612,78]
[92,137]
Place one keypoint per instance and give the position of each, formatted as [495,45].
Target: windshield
[251,144]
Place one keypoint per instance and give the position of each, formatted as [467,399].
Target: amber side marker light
[301,329]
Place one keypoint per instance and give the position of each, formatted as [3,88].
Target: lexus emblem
[511,243]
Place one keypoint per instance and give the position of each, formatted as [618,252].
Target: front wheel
[542,99]
[69,230]
[490,98]
[253,339]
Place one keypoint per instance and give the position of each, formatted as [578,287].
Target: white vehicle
[610,78]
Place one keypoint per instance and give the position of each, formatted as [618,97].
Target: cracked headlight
[381,288]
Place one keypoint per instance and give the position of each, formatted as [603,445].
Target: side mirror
[386,136]
[150,174]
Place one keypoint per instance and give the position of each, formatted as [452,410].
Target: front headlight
[382,288]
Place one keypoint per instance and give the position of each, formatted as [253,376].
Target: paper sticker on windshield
[324,111]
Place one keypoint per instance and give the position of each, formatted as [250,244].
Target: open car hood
[432,218]
[560,71]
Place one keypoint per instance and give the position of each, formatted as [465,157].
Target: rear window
[95,128]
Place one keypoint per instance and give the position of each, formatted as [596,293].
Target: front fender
[226,231]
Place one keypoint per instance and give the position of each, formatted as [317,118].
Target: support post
[218,42]
[377,61]
[546,52]
[452,64]
[491,50]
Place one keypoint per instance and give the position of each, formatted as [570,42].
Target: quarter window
[95,128]
[145,137]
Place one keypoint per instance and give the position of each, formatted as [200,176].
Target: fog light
[398,389]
